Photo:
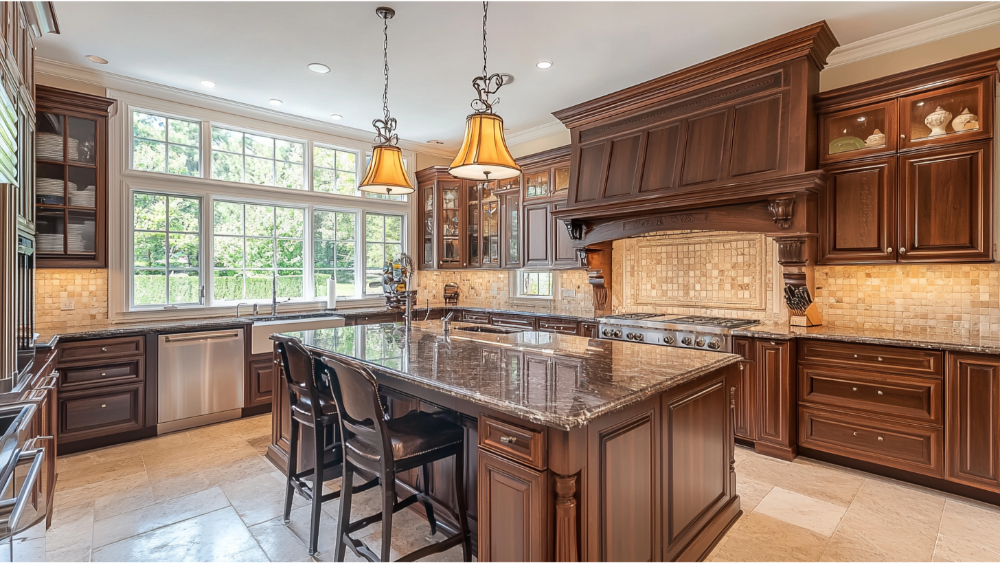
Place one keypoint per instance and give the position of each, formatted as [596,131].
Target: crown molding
[955,23]
[113,81]
[537,132]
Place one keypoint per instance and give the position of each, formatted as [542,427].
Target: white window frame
[306,159]
[129,147]
[359,169]
[364,235]
[123,181]
[359,255]
[131,254]
[518,286]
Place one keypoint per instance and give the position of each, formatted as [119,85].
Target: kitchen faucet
[446,321]
[406,263]
[274,294]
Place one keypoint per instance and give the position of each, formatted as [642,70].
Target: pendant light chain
[385,61]
[385,127]
[486,9]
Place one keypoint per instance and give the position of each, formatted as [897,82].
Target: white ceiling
[255,51]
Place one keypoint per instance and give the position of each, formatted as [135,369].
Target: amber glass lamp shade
[484,154]
[386,174]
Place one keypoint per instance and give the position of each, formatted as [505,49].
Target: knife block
[812,317]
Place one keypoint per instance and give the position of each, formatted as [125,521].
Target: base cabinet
[764,395]
[514,524]
[972,415]
[260,380]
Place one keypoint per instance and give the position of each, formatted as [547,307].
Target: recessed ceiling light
[274,102]
[434,142]
[96,59]
[336,116]
[208,84]
[544,64]
[318,67]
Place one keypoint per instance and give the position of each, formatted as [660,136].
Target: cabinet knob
[902,136]
[104,349]
[855,433]
[104,374]
[880,358]
[902,250]
[508,439]
[855,355]
[741,367]
[888,250]
[103,405]
[881,393]
[773,344]
[880,439]
[854,388]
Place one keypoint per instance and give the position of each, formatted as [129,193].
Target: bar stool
[386,447]
[313,406]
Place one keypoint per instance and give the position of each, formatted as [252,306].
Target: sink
[261,331]
[490,329]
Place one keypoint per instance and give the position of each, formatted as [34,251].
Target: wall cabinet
[911,174]
[972,414]
[71,184]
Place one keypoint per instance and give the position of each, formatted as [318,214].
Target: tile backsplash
[85,290]
[491,289]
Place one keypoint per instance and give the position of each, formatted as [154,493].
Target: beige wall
[559,139]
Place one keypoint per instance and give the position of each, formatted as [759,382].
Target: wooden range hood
[728,144]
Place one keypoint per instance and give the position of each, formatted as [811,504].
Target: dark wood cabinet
[972,415]
[259,382]
[537,235]
[910,158]
[743,380]
[946,204]
[443,219]
[71,166]
[563,252]
[99,412]
[512,227]
[514,523]
[775,383]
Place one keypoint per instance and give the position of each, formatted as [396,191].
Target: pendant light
[484,154]
[386,174]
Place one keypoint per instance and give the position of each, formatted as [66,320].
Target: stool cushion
[413,434]
[302,405]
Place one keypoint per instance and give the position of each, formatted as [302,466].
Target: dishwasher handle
[201,336]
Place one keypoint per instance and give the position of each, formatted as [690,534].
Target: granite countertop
[906,336]
[586,378]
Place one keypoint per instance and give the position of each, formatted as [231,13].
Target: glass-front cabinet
[71,179]
[946,115]
[856,133]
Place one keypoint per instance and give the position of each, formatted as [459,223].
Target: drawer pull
[855,355]
[104,374]
[508,439]
[854,388]
[103,405]
[104,349]
[881,393]
[880,358]
[880,439]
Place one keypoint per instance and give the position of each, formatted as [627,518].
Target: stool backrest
[361,414]
[300,374]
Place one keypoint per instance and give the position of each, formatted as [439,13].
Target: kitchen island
[576,448]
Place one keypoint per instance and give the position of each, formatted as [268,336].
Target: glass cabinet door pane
[944,113]
[536,185]
[428,228]
[82,143]
[491,226]
[50,184]
[864,129]
[82,187]
[473,224]
[561,181]
[449,198]
[80,232]
[450,251]
[512,230]
[49,140]
[50,225]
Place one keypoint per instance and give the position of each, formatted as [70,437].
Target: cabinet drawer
[560,326]
[513,442]
[118,372]
[882,441]
[475,317]
[907,361]
[513,321]
[100,349]
[99,412]
[912,397]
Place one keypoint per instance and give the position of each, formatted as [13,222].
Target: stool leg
[388,503]
[425,499]
[463,521]
[317,489]
[346,489]
[293,454]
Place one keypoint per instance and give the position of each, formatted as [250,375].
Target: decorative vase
[963,119]
[876,139]
[937,121]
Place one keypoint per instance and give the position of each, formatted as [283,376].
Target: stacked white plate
[49,146]
[74,149]
[85,198]
[49,242]
[81,237]
[50,186]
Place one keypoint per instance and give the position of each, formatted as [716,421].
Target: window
[335,171]
[383,242]
[334,237]
[255,245]
[166,239]
[256,159]
[535,284]
[165,144]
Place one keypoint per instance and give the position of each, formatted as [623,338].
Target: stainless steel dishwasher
[200,378]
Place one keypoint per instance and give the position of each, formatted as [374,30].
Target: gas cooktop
[692,331]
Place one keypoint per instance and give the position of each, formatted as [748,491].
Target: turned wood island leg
[567,548]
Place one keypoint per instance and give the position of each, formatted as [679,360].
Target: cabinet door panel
[945,204]
[858,218]
[756,135]
[536,243]
[775,392]
[260,382]
[622,167]
[973,420]
[591,172]
[703,154]
[512,230]
[659,170]
[513,511]
[563,251]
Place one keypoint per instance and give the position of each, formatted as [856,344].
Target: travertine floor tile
[888,521]
[751,492]
[817,481]
[117,486]
[968,532]
[156,516]
[71,534]
[762,538]
[206,478]
[259,498]
[168,464]
[96,473]
[740,454]
[215,536]
[800,510]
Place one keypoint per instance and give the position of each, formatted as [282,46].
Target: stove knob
[637,337]
[668,339]
[617,334]
[700,342]
[686,341]
[714,344]
[628,335]
[606,332]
